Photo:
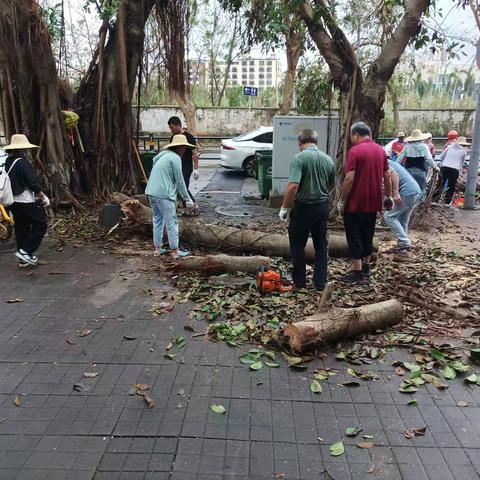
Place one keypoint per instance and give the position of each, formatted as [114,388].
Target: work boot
[353,277]
[366,272]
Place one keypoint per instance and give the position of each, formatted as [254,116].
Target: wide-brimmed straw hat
[19,142]
[463,142]
[179,141]
[416,136]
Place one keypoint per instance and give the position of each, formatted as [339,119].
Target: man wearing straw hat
[165,182]
[29,201]
[452,159]
[416,158]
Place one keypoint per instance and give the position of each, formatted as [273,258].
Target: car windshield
[247,136]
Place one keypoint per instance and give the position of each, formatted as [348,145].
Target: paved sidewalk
[273,422]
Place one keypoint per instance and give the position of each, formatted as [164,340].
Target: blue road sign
[250,91]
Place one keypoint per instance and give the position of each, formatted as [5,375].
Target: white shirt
[26,196]
[453,157]
[388,147]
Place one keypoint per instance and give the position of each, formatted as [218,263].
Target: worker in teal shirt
[165,183]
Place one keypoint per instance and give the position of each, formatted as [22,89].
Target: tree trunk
[230,239]
[213,264]
[361,98]
[295,39]
[338,324]
[104,101]
[30,96]
[189,111]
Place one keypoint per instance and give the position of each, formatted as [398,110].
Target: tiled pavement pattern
[272,423]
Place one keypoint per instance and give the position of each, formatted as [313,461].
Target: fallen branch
[222,263]
[434,306]
[335,324]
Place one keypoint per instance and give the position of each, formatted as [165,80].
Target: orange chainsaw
[271,281]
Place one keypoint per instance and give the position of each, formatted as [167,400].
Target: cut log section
[212,264]
[336,324]
[231,239]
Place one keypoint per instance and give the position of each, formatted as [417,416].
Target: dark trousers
[308,219]
[449,177]
[30,225]
[187,173]
[359,230]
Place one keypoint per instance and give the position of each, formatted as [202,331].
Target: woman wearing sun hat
[452,159]
[416,158]
[165,182]
[29,201]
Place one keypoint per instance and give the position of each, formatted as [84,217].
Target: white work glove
[44,200]
[340,207]
[196,174]
[190,204]
[283,214]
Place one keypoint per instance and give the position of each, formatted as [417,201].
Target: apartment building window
[269,62]
[269,75]
[261,62]
[244,76]
[252,62]
[244,82]
[244,62]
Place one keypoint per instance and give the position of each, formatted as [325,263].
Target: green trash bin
[263,171]
[147,160]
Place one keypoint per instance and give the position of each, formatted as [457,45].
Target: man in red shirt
[361,198]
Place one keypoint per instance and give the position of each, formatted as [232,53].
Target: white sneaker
[27,258]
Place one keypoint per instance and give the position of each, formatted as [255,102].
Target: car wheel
[249,166]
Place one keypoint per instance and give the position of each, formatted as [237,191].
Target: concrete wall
[230,121]
[436,121]
[213,121]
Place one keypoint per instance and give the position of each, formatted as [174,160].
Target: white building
[254,72]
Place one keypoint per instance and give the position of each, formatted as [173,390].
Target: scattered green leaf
[218,409]
[256,366]
[315,386]
[337,449]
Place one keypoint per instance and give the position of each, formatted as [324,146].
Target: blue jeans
[420,177]
[164,213]
[398,219]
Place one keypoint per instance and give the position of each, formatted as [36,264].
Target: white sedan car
[239,153]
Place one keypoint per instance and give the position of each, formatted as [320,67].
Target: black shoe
[320,288]
[353,277]
[366,272]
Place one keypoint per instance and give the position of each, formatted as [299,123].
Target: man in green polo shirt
[312,177]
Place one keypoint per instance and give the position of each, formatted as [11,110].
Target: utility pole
[472,178]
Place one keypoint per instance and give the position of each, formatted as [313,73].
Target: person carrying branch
[312,177]
[361,198]
[165,182]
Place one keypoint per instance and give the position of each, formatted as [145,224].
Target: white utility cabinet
[285,145]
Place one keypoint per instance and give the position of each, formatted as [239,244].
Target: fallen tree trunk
[222,263]
[231,239]
[334,324]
